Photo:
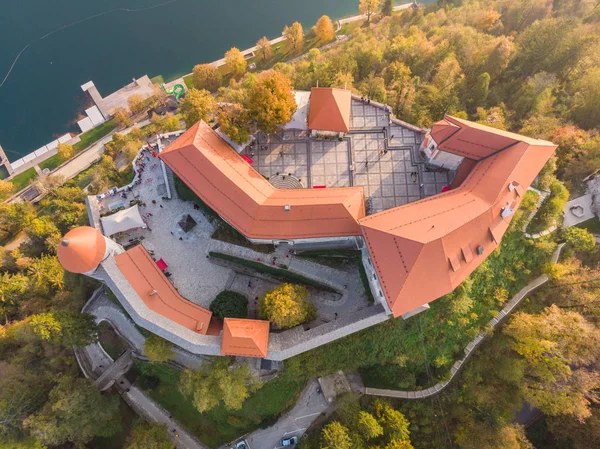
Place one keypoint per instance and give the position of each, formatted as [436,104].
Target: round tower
[83,249]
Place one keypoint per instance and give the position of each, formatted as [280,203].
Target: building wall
[330,243]
[439,158]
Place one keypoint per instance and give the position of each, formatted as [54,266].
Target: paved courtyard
[378,154]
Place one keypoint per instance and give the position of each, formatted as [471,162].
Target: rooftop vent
[287,207]
[480,250]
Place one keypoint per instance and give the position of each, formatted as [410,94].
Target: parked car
[242,445]
[291,441]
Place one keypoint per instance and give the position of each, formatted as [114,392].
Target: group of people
[365,100]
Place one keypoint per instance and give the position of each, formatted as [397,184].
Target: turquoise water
[42,97]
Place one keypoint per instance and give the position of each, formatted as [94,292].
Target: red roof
[243,197]
[329,109]
[81,249]
[423,250]
[245,338]
[158,293]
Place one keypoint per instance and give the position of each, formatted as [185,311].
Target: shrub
[158,349]
[229,304]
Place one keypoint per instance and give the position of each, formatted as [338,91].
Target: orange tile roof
[473,140]
[158,293]
[329,109]
[81,249]
[243,197]
[246,338]
[423,250]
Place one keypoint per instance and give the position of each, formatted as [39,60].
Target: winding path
[470,348]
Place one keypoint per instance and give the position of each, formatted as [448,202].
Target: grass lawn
[592,225]
[110,341]
[220,426]
[19,182]
[87,139]
[158,79]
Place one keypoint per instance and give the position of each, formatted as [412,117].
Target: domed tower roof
[81,249]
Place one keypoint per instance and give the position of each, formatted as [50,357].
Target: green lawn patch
[94,135]
[592,225]
[219,426]
[22,180]
[277,272]
[110,340]
[188,81]
[52,162]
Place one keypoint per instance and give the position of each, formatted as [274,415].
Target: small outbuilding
[329,110]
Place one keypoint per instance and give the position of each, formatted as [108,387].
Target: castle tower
[83,249]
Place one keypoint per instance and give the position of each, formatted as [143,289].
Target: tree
[65,328]
[121,117]
[149,436]
[368,426]
[229,304]
[335,436]
[216,382]
[65,151]
[271,102]
[47,273]
[198,105]
[14,217]
[234,121]
[136,103]
[235,62]
[580,239]
[206,76]
[264,49]
[158,349]
[286,306]
[294,35]
[558,346]
[481,91]
[43,237]
[323,29]
[387,7]
[75,412]
[394,422]
[6,186]
[368,8]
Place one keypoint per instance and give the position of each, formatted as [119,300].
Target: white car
[242,445]
[291,441]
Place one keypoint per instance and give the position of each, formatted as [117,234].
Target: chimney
[287,207]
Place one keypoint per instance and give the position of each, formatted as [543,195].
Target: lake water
[42,96]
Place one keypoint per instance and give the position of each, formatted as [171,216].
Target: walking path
[470,348]
[105,310]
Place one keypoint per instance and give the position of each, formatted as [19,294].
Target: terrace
[378,154]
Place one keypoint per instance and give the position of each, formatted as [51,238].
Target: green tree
[286,306]
[481,91]
[75,412]
[121,117]
[149,436]
[271,102]
[206,76]
[229,304]
[235,62]
[394,422]
[47,273]
[559,347]
[368,426]
[234,121]
[14,217]
[294,35]
[368,8]
[323,29]
[335,436]
[158,349]
[264,49]
[580,239]
[65,328]
[136,103]
[218,382]
[65,151]
[198,105]
[387,7]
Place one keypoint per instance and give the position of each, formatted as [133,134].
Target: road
[308,408]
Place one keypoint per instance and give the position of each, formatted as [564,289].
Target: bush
[229,304]
[158,349]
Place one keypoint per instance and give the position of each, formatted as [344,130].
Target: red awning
[161,264]
[319,187]
[248,159]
